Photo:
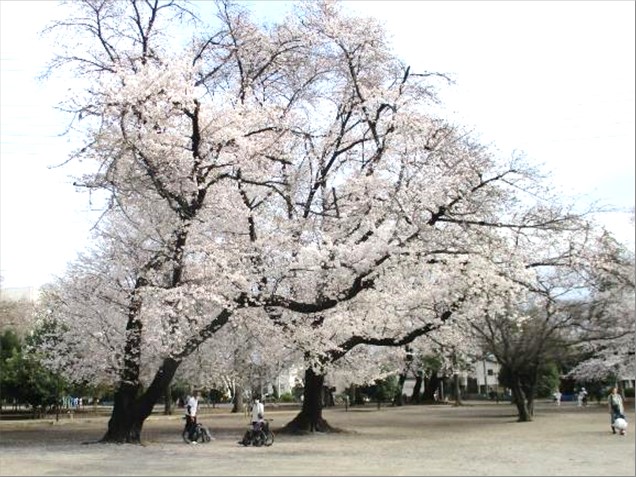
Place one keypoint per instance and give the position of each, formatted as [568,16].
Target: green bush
[286,397]
[547,380]
[629,392]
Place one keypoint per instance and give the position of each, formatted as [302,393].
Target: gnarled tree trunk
[519,397]
[132,407]
[310,417]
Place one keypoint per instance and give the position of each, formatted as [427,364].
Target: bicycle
[200,433]
[259,434]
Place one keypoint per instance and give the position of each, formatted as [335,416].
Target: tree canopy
[292,179]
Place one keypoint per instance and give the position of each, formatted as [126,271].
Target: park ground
[478,438]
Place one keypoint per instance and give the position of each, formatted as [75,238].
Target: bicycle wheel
[269,438]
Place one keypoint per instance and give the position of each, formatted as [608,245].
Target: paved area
[475,439]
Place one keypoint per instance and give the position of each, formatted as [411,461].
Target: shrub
[286,397]
[629,392]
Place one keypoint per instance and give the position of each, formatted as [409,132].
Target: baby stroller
[258,435]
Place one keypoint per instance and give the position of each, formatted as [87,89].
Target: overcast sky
[552,79]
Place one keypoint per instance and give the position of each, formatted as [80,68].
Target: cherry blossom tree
[245,357]
[582,296]
[607,315]
[292,175]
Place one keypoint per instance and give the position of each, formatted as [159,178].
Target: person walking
[616,408]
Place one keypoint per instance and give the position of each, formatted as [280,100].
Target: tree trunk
[310,417]
[458,390]
[398,399]
[416,396]
[238,405]
[131,407]
[530,393]
[327,397]
[358,397]
[167,407]
[432,385]
[352,392]
[530,405]
[519,398]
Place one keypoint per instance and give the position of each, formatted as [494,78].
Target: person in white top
[192,403]
[582,397]
[258,412]
[557,397]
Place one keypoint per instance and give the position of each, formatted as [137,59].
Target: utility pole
[485,378]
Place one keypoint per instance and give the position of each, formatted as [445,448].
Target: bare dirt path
[475,439]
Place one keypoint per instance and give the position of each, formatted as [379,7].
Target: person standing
[582,397]
[191,406]
[557,397]
[258,413]
[616,408]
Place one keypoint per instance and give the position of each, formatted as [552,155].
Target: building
[486,375]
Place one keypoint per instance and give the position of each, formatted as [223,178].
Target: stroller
[258,434]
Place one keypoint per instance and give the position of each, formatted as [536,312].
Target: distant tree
[548,379]
[9,341]
[10,345]
[567,307]
[433,374]
[26,381]
[16,315]
[607,346]
[385,389]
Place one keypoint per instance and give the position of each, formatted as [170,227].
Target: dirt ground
[474,439]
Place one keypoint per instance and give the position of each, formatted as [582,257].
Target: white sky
[553,79]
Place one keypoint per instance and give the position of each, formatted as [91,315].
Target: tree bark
[238,405]
[167,407]
[519,398]
[458,390]
[310,417]
[416,397]
[352,392]
[132,406]
[327,397]
[398,399]
[432,384]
